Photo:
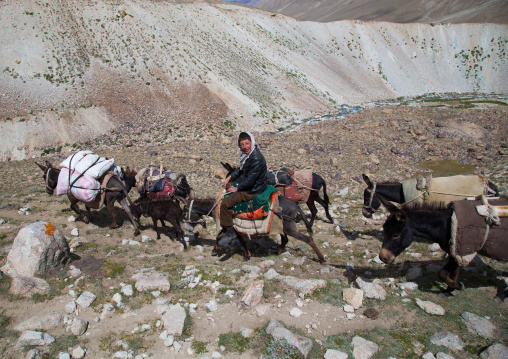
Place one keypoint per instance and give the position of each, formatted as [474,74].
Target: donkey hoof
[214,253]
[137,233]
[461,286]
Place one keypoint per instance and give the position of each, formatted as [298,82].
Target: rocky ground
[393,142]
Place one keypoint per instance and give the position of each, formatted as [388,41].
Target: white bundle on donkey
[80,173]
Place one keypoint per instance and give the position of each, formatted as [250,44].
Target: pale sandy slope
[72,71]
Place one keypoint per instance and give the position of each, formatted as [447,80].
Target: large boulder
[37,248]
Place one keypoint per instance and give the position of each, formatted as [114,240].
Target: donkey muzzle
[386,256]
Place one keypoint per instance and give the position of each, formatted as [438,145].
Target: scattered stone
[79,326]
[78,353]
[363,349]
[48,321]
[370,289]
[254,293]
[447,339]
[430,308]
[277,330]
[335,354]
[295,312]
[246,332]
[478,325]
[407,286]
[211,305]
[127,290]
[33,338]
[37,248]
[174,319]
[271,274]
[27,286]
[303,285]
[442,355]
[151,281]
[85,299]
[107,311]
[496,351]
[71,307]
[353,296]
[428,355]
[348,308]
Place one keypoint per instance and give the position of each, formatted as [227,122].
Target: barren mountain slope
[74,71]
[450,11]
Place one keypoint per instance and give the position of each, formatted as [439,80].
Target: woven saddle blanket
[299,189]
[468,230]
[269,224]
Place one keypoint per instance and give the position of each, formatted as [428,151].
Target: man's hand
[232,189]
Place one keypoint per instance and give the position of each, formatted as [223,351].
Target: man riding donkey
[254,171]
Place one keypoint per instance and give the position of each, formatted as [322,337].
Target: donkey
[290,214]
[438,222]
[162,210]
[115,191]
[393,191]
[317,183]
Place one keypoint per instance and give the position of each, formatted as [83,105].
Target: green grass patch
[61,344]
[87,247]
[199,347]
[112,270]
[280,349]
[234,342]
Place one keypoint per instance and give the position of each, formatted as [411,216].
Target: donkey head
[397,232]
[50,176]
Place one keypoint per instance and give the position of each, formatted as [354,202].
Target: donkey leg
[126,208]
[323,203]
[449,275]
[156,229]
[243,242]
[283,243]
[110,205]
[75,208]
[89,213]
[312,206]
[215,250]
[291,230]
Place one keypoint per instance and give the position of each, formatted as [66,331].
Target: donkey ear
[367,180]
[48,164]
[44,168]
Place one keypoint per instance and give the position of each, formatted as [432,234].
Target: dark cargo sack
[277,177]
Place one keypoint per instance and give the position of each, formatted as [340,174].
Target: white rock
[295,312]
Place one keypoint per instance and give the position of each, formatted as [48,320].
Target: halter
[47,181]
[372,191]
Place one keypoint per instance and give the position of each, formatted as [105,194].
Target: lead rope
[372,192]
[47,180]
[491,219]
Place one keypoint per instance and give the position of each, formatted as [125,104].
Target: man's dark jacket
[254,171]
